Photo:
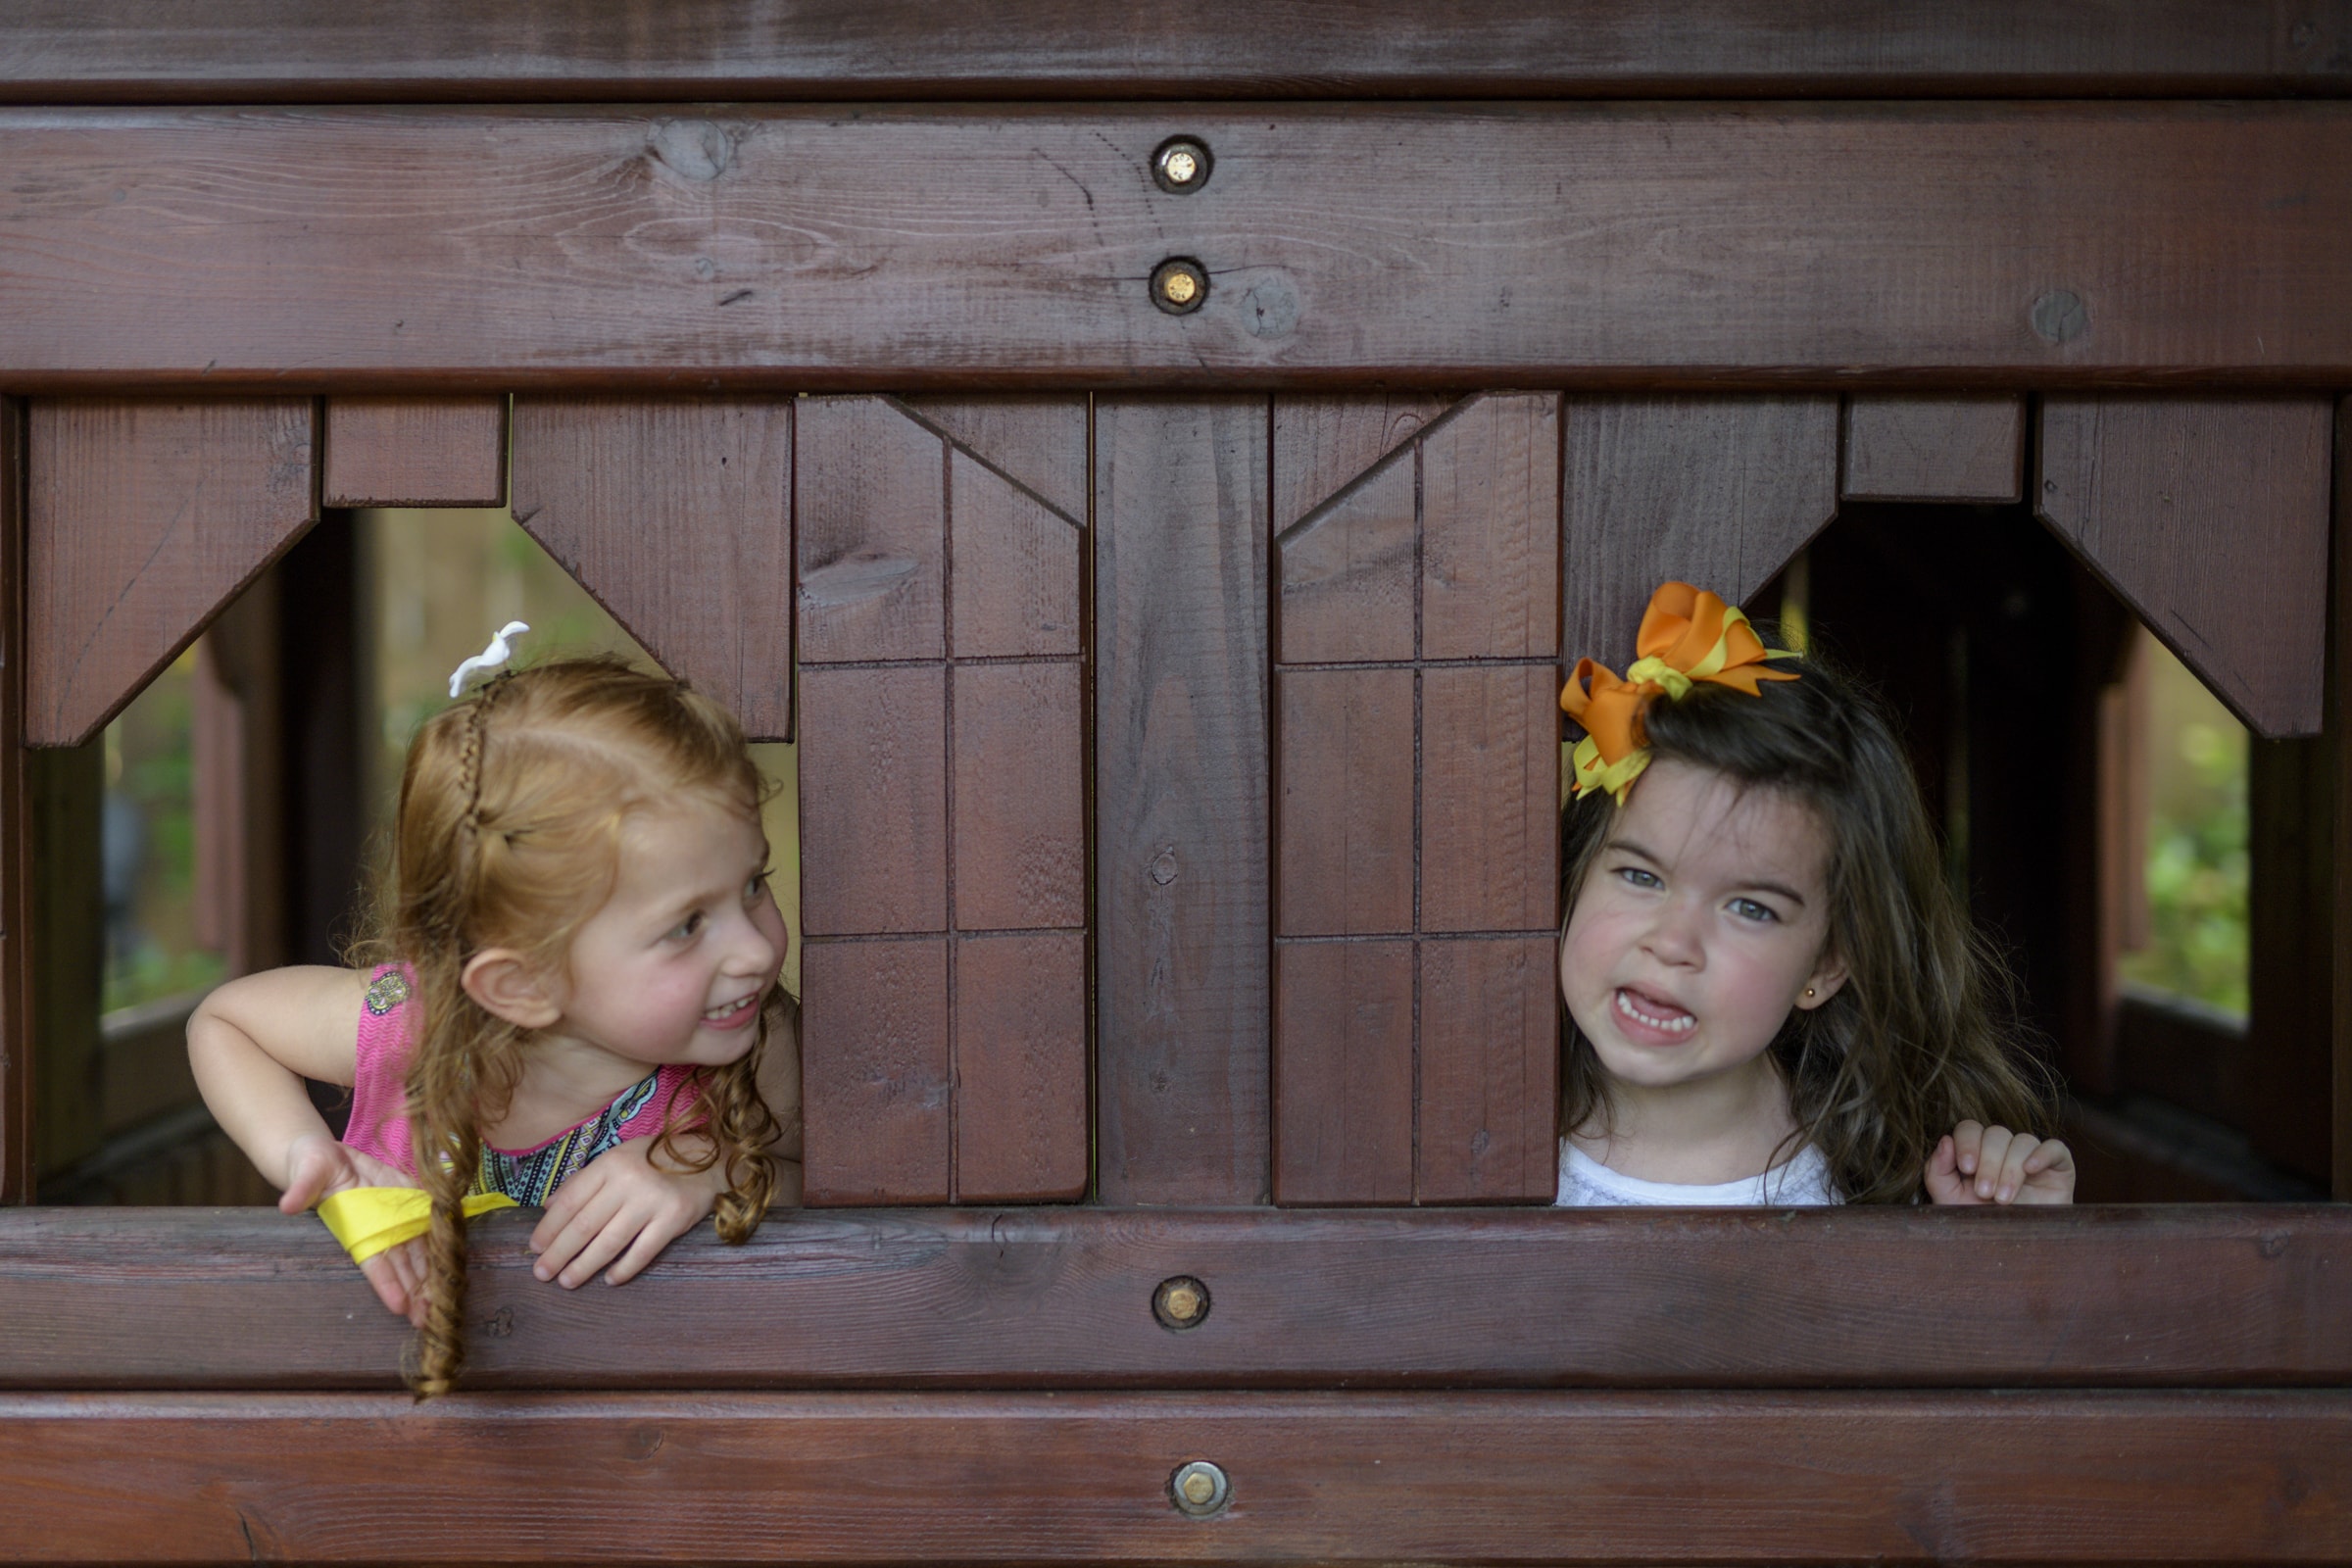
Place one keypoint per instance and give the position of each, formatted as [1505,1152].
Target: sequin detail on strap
[387,990]
[533,1177]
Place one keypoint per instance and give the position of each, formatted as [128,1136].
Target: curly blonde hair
[508,835]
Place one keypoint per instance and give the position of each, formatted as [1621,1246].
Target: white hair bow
[489,658]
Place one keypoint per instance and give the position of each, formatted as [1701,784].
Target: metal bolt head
[1180,1302]
[1179,285]
[1199,1489]
[1181,166]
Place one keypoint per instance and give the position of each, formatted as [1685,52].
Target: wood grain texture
[876,1077]
[1020,796]
[2207,1296]
[1039,442]
[16,843]
[1324,444]
[2208,518]
[438,51]
[1343,820]
[1718,492]
[1016,568]
[873,756]
[1020,1068]
[1490,530]
[1349,573]
[1933,447]
[1416,246]
[416,452]
[1343,1072]
[675,514]
[873,527]
[1490,799]
[1568,1478]
[142,520]
[1490,1070]
[1180,800]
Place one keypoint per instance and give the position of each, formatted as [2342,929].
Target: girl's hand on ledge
[620,1210]
[319,1166]
[1978,1164]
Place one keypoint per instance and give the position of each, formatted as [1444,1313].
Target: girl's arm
[1979,1164]
[255,1039]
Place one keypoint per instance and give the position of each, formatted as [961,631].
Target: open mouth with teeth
[1653,1014]
[730,1011]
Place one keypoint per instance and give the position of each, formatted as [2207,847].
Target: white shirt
[1802,1179]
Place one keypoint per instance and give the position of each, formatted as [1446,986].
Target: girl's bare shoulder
[305,1016]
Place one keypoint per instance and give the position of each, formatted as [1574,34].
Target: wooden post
[2339,695]
[16,1060]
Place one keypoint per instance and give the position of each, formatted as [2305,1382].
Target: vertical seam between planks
[1091,926]
[1420,568]
[946,648]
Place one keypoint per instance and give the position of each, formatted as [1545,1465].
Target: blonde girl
[576,1003]
[1773,995]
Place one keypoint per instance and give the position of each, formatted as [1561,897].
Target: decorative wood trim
[441,50]
[2207,1295]
[1541,1477]
[1690,245]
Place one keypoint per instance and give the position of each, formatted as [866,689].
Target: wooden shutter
[1417,810]
[942,802]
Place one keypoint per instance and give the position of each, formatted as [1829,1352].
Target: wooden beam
[737,1478]
[439,51]
[416,452]
[1695,245]
[2209,1297]
[2339,679]
[16,845]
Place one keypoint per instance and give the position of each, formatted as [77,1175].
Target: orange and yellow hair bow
[1688,636]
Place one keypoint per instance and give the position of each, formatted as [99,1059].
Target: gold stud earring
[1808,991]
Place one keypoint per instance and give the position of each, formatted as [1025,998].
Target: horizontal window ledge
[1710,1477]
[2176,1296]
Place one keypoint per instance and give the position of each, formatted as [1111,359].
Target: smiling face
[675,965]
[1703,921]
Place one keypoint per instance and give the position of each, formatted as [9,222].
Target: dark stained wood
[1932,448]
[1037,442]
[873,757]
[1016,568]
[872,523]
[65,791]
[677,514]
[1324,444]
[876,1077]
[16,824]
[1718,492]
[1180,800]
[1490,798]
[1020,1068]
[1491,530]
[2339,713]
[416,452]
[2285,1080]
[1592,244]
[143,519]
[2208,518]
[1490,1070]
[1349,573]
[439,51]
[1345,811]
[1020,796]
[1343,1072]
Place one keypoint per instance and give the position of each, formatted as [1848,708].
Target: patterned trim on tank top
[533,1178]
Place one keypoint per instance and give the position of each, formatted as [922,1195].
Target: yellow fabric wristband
[369,1219]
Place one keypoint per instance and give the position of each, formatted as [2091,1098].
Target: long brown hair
[1917,1040]
[508,835]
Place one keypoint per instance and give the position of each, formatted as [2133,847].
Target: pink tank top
[379,1102]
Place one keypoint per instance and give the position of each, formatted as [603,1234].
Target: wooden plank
[2209,1297]
[874,1073]
[1546,245]
[1935,448]
[416,452]
[2284,1074]
[675,514]
[17,889]
[142,520]
[873,757]
[439,51]
[1344,822]
[1566,1478]
[1491,530]
[1020,1068]
[2339,698]
[1323,444]
[1020,839]
[873,522]
[1343,1072]
[1719,492]
[1349,571]
[2208,518]
[1016,568]
[1180,800]
[1038,442]
[1491,799]
[1490,1071]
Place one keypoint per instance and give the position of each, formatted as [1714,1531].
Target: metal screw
[1179,285]
[1181,166]
[1180,1302]
[1199,1489]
